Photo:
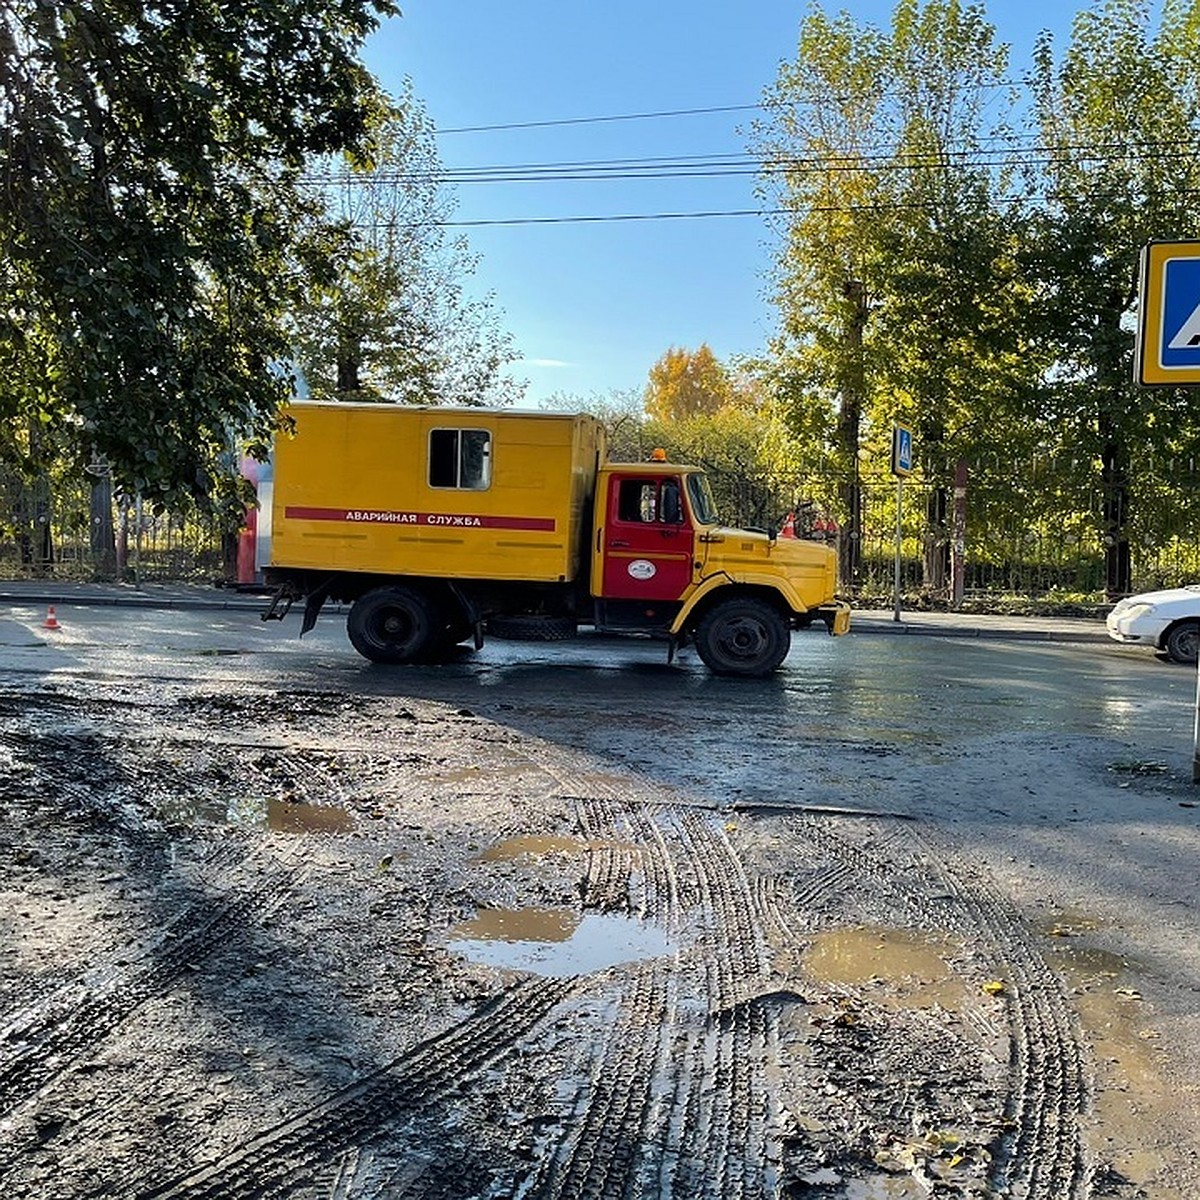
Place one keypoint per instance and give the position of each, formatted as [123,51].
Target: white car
[1168,621]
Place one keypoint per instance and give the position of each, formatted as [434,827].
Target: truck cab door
[647,539]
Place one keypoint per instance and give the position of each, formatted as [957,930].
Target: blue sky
[591,306]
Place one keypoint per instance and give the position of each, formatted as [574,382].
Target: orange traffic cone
[51,621]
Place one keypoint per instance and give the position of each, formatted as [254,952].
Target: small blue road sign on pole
[902,451]
[1167,352]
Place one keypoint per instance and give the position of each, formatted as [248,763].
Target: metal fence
[1032,532]
[70,532]
[1036,531]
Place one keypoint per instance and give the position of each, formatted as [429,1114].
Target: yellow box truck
[440,525]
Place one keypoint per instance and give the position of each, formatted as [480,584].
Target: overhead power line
[878,208]
[588,220]
[646,116]
[730,165]
[666,113]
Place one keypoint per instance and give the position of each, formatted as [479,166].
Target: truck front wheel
[743,636]
[393,625]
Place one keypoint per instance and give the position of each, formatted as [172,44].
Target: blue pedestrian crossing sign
[902,451]
[1167,351]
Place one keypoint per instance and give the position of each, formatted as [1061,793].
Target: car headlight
[1138,610]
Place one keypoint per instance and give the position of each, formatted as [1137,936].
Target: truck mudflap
[836,616]
[288,594]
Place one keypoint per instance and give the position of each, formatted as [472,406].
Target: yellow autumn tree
[687,383]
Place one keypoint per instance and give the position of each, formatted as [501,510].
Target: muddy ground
[598,929]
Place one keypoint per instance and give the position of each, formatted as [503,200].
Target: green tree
[1118,115]
[818,146]
[386,316]
[895,281]
[150,202]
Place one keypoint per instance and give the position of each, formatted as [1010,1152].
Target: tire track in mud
[602,1153]
[733,1155]
[440,1171]
[677,1102]
[44,1037]
[1041,1158]
[285,1160]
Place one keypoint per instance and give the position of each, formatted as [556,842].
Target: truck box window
[460,458]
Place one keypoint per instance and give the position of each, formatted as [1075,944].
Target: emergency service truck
[439,526]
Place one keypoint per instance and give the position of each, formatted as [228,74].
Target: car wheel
[1183,642]
[393,625]
[744,636]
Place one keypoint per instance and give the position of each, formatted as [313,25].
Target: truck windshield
[703,508]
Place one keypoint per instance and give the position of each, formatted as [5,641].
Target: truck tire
[393,625]
[533,628]
[743,636]
[1182,642]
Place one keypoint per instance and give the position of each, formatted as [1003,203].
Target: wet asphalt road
[938,690]
[1039,786]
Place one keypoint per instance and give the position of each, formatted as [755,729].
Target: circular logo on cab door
[642,568]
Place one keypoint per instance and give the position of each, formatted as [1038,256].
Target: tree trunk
[103,540]
[849,431]
[123,540]
[42,540]
[1114,478]
[936,565]
[958,570]
[1113,419]
[349,383]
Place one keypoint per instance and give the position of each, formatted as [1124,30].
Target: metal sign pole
[899,531]
[1196,731]
[902,465]
[1167,348]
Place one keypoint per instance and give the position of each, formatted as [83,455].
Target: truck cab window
[672,509]
[650,501]
[703,508]
[637,500]
[460,458]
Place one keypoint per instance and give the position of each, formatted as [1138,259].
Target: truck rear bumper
[836,616]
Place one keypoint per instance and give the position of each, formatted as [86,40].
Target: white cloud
[551,364]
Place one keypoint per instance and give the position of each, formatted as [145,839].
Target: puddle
[285,816]
[555,941]
[533,846]
[912,966]
[477,772]
[888,1188]
[1134,1123]
[1067,923]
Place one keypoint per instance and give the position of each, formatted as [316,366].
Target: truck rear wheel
[743,636]
[393,625]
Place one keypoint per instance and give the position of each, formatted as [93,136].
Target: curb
[59,599]
[1007,632]
[870,622]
